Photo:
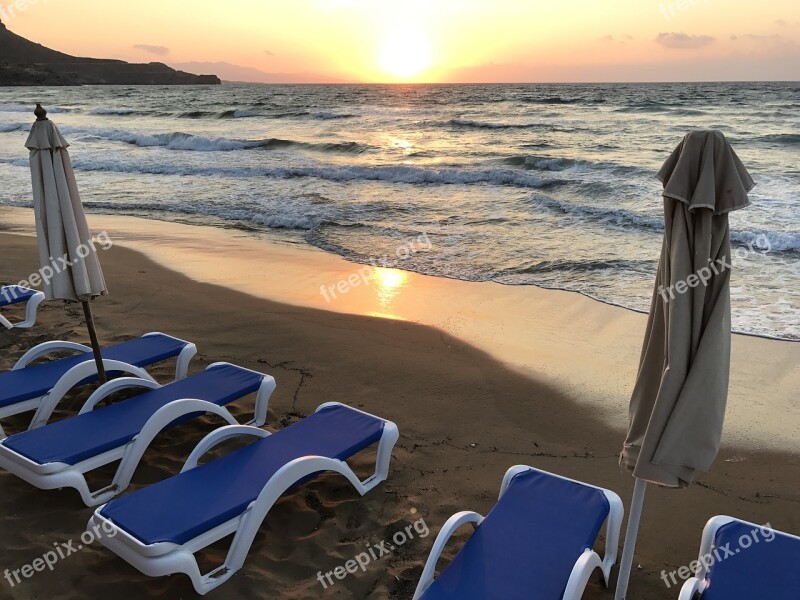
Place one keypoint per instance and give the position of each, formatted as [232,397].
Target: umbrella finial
[40,112]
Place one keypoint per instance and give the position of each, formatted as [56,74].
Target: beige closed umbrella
[678,403]
[70,269]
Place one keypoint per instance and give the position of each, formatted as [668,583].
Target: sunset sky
[434,40]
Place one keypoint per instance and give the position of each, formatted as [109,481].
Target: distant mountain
[235,73]
[23,62]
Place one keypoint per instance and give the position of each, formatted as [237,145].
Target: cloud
[269,53]
[683,40]
[757,38]
[157,50]
[622,39]
[781,23]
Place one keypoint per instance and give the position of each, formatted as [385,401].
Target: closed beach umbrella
[70,269]
[678,403]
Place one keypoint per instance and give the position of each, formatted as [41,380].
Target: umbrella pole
[630,539]
[98,359]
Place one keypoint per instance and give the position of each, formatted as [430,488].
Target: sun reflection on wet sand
[388,283]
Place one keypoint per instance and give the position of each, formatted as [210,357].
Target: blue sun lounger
[59,454]
[535,543]
[234,493]
[16,294]
[743,561]
[41,386]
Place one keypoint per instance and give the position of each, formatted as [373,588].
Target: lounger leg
[385,446]
[30,311]
[262,401]
[184,358]
[72,378]
[137,446]
[251,520]
[388,440]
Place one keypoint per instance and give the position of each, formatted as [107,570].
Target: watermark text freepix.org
[719,554]
[60,551]
[703,275]
[374,552]
[364,275]
[12,9]
[62,263]
[671,10]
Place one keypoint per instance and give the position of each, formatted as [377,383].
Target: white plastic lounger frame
[698,583]
[58,475]
[166,558]
[44,405]
[584,566]
[31,306]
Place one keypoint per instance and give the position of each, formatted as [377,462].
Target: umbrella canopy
[70,269]
[678,403]
[61,226]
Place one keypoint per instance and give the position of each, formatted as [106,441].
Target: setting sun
[404,54]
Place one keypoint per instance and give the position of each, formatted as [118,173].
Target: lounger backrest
[14,294]
[529,540]
[83,436]
[38,379]
[751,563]
[202,498]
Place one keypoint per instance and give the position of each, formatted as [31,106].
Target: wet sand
[478,377]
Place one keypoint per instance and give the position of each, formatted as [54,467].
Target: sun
[404,54]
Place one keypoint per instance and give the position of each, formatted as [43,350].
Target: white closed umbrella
[70,269]
[678,403]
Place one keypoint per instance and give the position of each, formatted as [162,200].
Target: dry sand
[508,376]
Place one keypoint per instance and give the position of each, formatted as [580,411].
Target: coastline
[587,349]
[465,414]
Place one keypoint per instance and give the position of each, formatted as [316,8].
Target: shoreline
[275,237]
[464,418]
[587,349]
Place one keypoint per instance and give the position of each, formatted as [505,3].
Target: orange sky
[434,40]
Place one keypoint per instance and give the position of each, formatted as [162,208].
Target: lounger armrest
[5,322]
[692,587]
[581,572]
[450,526]
[136,447]
[218,436]
[113,386]
[73,377]
[46,348]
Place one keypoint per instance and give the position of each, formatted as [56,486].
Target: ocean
[547,185]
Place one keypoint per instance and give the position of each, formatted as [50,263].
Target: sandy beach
[478,377]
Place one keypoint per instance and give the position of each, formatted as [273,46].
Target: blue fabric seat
[198,500]
[90,434]
[14,294]
[38,379]
[528,544]
[764,569]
